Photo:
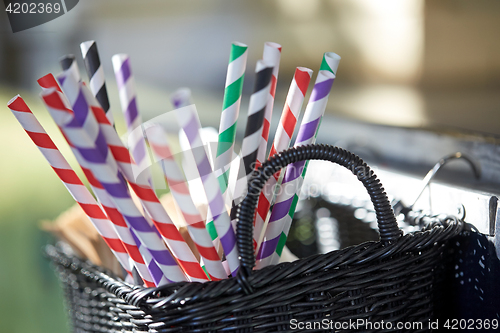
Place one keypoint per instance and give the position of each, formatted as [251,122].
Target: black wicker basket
[376,284]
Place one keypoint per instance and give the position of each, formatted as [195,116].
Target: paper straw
[179,189]
[272,56]
[282,138]
[147,197]
[144,262]
[190,124]
[152,205]
[159,217]
[128,102]
[148,258]
[118,222]
[180,99]
[84,134]
[69,178]
[137,253]
[147,269]
[95,72]
[287,199]
[98,88]
[329,63]
[228,119]
[68,63]
[62,114]
[253,130]
[291,110]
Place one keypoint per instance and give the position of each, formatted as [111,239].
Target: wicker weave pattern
[91,308]
[363,281]
[379,281]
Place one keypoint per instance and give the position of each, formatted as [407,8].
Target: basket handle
[387,224]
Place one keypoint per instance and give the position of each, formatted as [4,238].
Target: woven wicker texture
[472,269]
[393,280]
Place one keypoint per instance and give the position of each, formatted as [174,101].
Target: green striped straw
[330,63]
[228,119]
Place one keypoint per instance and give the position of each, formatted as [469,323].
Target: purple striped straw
[128,102]
[153,267]
[118,224]
[180,191]
[57,104]
[85,134]
[188,120]
[154,211]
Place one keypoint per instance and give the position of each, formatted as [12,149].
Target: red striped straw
[84,134]
[282,138]
[48,82]
[132,244]
[70,67]
[147,196]
[137,255]
[69,178]
[119,224]
[282,212]
[147,234]
[179,189]
[149,200]
[142,257]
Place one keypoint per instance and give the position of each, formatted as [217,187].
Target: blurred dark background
[415,64]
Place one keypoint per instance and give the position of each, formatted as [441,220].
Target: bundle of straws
[143,237]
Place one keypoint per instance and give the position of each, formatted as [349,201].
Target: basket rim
[188,293]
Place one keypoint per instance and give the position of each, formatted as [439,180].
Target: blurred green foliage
[31,299]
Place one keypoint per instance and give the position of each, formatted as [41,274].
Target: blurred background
[413,65]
